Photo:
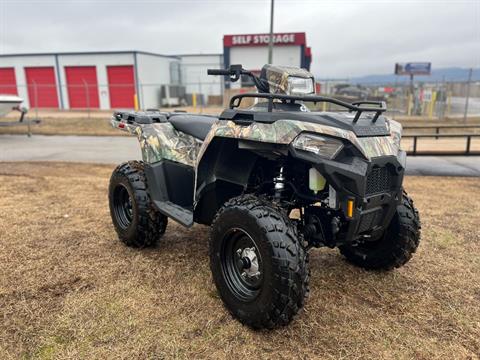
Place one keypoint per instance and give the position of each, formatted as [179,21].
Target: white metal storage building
[95,80]
[194,73]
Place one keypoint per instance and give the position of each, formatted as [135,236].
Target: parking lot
[116,149]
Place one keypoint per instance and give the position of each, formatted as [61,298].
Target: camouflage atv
[272,180]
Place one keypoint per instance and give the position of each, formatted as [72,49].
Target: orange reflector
[350,207]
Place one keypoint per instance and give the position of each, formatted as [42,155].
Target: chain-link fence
[88,96]
[438,100]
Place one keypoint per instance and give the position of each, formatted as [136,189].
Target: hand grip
[218,72]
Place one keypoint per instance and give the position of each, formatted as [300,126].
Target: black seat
[196,125]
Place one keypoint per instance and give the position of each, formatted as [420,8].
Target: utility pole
[468,95]
[270,40]
[411,100]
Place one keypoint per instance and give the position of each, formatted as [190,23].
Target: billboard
[413,68]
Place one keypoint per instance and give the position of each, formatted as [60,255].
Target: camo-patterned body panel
[277,77]
[382,145]
[285,131]
[160,141]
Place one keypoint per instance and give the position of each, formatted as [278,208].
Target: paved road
[113,150]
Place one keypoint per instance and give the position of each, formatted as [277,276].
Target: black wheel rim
[367,246]
[122,206]
[243,285]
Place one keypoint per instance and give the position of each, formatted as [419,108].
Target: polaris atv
[272,180]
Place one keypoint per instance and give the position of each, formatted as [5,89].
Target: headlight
[299,86]
[396,132]
[321,145]
[396,138]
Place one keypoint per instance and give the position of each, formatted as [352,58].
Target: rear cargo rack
[378,109]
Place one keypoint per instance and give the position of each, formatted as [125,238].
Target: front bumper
[374,186]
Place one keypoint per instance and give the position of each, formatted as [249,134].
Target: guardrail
[468,151]
[437,128]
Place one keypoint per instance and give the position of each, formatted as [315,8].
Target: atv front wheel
[397,245]
[258,262]
[136,221]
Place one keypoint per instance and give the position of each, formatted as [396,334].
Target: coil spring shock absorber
[279,184]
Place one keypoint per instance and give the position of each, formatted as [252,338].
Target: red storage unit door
[121,86]
[82,87]
[42,87]
[8,83]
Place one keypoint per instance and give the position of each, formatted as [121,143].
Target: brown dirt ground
[69,289]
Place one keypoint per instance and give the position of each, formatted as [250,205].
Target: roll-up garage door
[121,86]
[82,87]
[42,87]
[8,83]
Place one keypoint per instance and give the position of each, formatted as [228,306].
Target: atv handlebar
[235,71]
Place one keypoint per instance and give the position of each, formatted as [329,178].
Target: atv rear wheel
[397,245]
[258,263]
[136,221]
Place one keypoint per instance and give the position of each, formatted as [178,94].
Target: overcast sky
[348,38]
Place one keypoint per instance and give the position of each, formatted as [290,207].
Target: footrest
[177,213]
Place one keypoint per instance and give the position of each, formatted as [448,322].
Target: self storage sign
[263,39]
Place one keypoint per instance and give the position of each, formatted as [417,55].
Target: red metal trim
[42,87]
[8,82]
[121,86]
[82,86]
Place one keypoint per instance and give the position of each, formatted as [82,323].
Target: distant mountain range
[449,74]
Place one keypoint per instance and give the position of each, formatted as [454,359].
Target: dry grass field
[69,289]
[97,123]
[75,122]
[67,126]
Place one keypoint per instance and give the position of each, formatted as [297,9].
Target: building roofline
[155,54]
[210,54]
[90,53]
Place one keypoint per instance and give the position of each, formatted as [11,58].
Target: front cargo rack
[380,106]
